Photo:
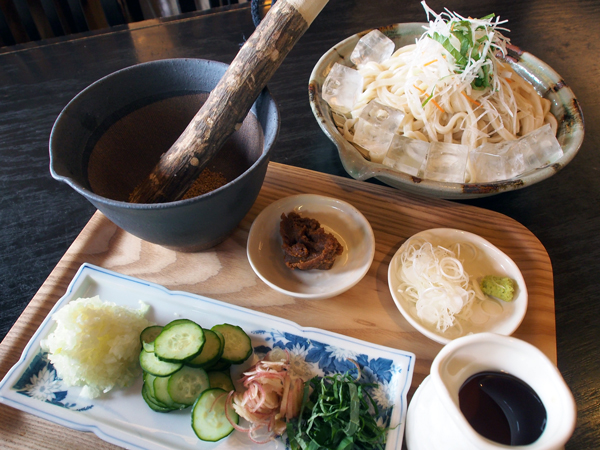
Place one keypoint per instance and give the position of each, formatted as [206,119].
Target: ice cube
[446,162]
[373,139]
[541,145]
[489,162]
[342,87]
[505,160]
[518,159]
[375,129]
[373,46]
[407,155]
[386,118]
[536,149]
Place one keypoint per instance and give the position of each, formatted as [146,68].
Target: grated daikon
[96,344]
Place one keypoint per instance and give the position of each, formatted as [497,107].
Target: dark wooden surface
[40,217]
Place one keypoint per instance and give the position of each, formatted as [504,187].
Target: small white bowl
[489,261]
[337,217]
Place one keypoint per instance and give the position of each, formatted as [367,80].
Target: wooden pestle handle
[229,102]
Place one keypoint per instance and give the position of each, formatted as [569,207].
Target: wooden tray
[366,311]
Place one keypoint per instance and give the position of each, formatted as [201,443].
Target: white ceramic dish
[343,220]
[122,418]
[489,261]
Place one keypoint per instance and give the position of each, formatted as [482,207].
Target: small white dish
[337,217]
[489,261]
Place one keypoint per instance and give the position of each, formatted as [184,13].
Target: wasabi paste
[499,287]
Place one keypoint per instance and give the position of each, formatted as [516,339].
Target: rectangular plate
[121,416]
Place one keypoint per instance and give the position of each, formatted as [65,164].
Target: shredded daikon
[433,278]
[96,344]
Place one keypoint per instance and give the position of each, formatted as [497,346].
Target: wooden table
[40,218]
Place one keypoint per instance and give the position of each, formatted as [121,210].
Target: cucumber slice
[221,337]
[211,352]
[149,380]
[148,347]
[151,364]
[179,340]
[219,366]
[238,346]
[222,380]
[161,393]
[218,333]
[187,384]
[149,395]
[150,401]
[148,334]
[209,421]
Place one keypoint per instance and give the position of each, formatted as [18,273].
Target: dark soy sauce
[502,408]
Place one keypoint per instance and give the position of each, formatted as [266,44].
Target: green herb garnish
[459,57]
[471,43]
[428,98]
[339,414]
[470,49]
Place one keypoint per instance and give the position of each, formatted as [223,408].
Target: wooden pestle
[229,102]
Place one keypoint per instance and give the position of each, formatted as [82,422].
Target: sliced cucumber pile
[185,365]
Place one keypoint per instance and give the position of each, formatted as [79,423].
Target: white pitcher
[434,419]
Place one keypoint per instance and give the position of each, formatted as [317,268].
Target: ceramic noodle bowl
[544,79]
[435,419]
[110,136]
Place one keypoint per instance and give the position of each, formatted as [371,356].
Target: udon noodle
[441,100]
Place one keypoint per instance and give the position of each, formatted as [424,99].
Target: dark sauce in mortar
[502,408]
[125,148]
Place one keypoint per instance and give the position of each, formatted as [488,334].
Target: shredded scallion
[472,44]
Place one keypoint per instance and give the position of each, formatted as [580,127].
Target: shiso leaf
[339,414]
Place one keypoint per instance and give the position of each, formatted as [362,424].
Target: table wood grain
[366,311]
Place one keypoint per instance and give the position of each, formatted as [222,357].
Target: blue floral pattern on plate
[41,382]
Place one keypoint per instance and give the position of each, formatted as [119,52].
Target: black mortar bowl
[111,135]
